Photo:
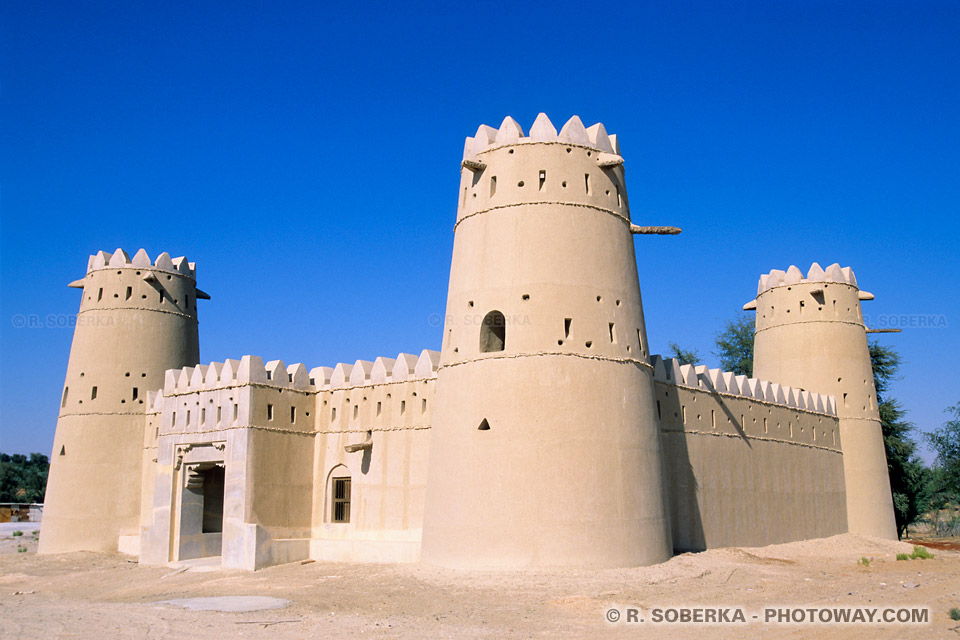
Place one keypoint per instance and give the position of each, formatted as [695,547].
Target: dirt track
[87,595]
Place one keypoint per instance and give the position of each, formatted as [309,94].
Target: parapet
[573,132]
[716,381]
[247,370]
[120,258]
[405,366]
[793,275]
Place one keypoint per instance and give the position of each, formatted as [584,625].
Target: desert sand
[95,595]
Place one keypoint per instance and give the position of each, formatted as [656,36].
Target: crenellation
[320,377]
[793,275]
[573,132]
[427,364]
[382,370]
[716,381]
[405,365]
[360,373]
[341,375]
[120,259]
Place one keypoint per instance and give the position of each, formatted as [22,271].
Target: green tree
[23,479]
[684,356]
[945,441]
[909,479]
[735,345]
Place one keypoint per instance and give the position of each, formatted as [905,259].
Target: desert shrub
[921,552]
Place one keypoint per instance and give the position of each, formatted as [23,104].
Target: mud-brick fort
[558,441]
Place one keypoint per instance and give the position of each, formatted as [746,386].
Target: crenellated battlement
[141,260]
[232,373]
[405,366]
[717,381]
[816,273]
[252,370]
[543,130]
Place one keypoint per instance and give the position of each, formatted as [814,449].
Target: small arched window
[493,332]
[338,494]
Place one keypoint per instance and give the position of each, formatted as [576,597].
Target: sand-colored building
[542,433]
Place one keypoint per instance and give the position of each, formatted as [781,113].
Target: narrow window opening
[844,400]
[765,429]
[493,185]
[658,410]
[293,415]
[484,425]
[219,414]
[135,393]
[543,178]
[100,294]
[129,293]
[713,418]
[341,500]
[63,401]
[93,393]
[403,406]
[464,201]
[566,327]
[186,302]
[683,413]
[269,375]
[493,332]
[586,182]
[203,415]
[333,413]
[356,411]
[640,339]
[188,417]
[269,412]
[173,419]
[423,406]
[619,197]
[379,407]
[236,412]
[161,297]
[613,335]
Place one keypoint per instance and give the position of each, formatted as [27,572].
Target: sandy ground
[94,595]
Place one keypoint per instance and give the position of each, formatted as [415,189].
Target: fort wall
[748,462]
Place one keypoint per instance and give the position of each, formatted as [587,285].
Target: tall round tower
[810,334]
[136,320]
[545,446]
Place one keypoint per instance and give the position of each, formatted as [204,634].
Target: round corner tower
[545,447]
[810,334]
[136,320]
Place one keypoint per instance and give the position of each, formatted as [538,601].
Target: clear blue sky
[306,156]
